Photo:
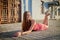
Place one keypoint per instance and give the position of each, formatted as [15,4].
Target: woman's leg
[45,21]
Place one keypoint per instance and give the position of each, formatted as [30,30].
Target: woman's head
[26,15]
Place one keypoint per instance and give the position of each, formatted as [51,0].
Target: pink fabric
[38,27]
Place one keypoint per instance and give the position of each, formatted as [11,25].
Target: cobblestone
[52,33]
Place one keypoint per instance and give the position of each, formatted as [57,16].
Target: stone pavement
[52,33]
[17,26]
[10,27]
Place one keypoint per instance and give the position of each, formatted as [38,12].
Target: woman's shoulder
[32,20]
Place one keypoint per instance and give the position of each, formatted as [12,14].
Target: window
[5,3]
[12,12]
[12,15]
[4,12]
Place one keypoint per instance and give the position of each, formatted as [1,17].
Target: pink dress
[40,26]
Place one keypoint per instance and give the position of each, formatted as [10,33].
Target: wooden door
[4,14]
[10,12]
[58,13]
[19,12]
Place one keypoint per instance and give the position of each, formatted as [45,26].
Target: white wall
[26,5]
[22,7]
[36,10]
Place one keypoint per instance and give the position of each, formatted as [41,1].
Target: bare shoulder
[33,21]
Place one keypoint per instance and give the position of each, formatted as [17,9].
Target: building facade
[12,10]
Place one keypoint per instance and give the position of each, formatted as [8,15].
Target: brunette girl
[29,25]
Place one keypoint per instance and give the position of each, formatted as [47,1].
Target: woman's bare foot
[45,21]
[47,14]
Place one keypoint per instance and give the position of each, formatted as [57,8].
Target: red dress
[39,26]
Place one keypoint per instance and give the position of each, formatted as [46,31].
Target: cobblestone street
[14,12]
[53,32]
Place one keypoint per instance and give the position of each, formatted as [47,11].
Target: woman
[30,25]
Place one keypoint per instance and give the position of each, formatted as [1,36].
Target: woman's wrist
[21,33]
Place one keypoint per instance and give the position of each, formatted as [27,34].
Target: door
[19,12]
[58,13]
[4,11]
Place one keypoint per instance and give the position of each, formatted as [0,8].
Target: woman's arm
[31,28]
[22,33]
[27,32]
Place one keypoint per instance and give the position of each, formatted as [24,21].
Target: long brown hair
[25,25]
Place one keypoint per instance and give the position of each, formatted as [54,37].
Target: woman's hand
[18,34]
[28,32]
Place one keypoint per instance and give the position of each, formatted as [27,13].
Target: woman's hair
[25,24]
[25,16]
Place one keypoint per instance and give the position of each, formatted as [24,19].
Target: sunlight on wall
[36,10]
